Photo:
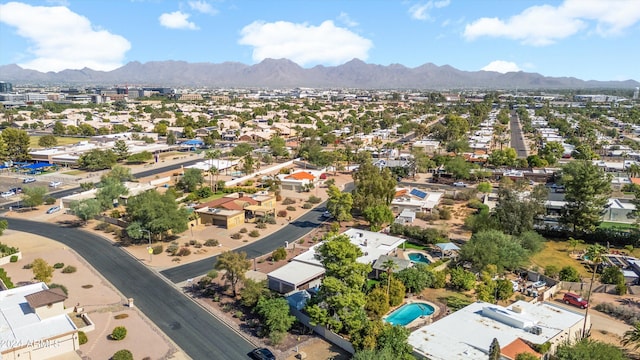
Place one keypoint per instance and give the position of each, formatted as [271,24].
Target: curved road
[199,334]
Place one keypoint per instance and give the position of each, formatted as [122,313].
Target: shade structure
[448,246]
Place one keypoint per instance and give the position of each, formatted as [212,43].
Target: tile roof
[45,297]
[302,175]
[518,346]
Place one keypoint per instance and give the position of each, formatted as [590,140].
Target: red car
[575,300]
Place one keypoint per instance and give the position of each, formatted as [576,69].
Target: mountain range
[283,73]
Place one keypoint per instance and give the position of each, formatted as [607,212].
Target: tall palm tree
[210,156]
[632,337]
[389,265]
[595,255]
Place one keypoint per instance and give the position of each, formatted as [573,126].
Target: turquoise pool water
[409,312]
[417,257]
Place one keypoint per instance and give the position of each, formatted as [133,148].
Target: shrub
[158,249]
[6,250]
[427,216]
[27,266]
[101,226]
[69,269]
[58,265]
[307,205]
[87,286]
[123,354]
[621,288]
[212,274]
[279,254]
[282,213]
[50,200]
[115,214]
[236,236]
[6,279]
[278,197]
[475,203]
[551,271]
[254,233]
[270,220]
[238,314]
[444,213]
[314,199]
[184,252]
[192,242]
[291,208]
[212,242]
[82,338]
[569,273]
[121,316]
[14,258]
[243,231]
[173,248]
[119,333]
[61,287]
[448,202]
[261,226]
[198,245]
[288,201]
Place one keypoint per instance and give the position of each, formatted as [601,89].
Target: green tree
[241,150]
[110,190]
[397,292]
[191,179]
[377,303]
[121,149]
[587,349]
[462,279]
[48,141]
[632,337]
[494,350]
[248,164]
[395,339]
[485,187]
[158,212]
[161,129]
[139,158]
[416,278]
[275,315]
[339,204]
[374,354]
[569,273]
[59,128]
[252,291]
[552,151]
[373,186]
[42,271]
[213,170]
[526,356]
[118,172]
[97,159]
[235,265]
[3,226]
[595,254]
[17,144]
[377,216]
[587,192]
[494,247]
[86,209]
[573,243]
[278,147]
[612,275]
[504,289]
[171,138]
[34,196]
[584,152]
[515,213]
[458,167]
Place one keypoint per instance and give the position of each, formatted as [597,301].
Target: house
[306,271]
[467,333]
[35,325]
[415,200]
[406,217]
[299,180]
[236,209]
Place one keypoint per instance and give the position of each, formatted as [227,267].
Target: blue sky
[587,39]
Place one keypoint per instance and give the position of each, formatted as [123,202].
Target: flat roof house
[467,333]
[34,324]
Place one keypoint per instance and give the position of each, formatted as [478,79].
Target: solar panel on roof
[418,193]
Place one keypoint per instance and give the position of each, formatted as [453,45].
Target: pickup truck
[459,184]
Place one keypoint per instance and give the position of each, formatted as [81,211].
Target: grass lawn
[62,140]
[557,253]
[614,225]
[212,197]
[74,172]
[409,245]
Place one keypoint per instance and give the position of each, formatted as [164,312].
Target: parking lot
[8,182]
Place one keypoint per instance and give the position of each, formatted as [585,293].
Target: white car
[459,184]
[327,215]
[7,194]
[55,184]
[28,180]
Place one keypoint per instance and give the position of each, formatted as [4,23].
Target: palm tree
[389,265]
[632,337]
[595,255]
[573,243]
[210,156]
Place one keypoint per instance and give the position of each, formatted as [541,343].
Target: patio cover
[35,166]
[448,246]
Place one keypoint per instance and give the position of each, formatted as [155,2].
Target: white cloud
[177,20]
[421,11]
[61,39]
[303,43]
[347,20]
[502,66]
[545,24]
[203,7]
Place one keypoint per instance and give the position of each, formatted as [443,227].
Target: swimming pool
[409,312]
[417,257]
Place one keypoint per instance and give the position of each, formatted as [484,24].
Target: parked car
[575,300]
[28,180]
[516,285]
[53,209]
[17,190]
[327,214]
[262,354]
[538,284]
[55,184]
[7,194]
[459,184]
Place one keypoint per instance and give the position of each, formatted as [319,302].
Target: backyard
[558,254]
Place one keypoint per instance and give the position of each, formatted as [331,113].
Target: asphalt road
[517,138]
[199,334]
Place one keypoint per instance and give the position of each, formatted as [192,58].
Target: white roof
[296,273]
[468,333]
[217,163]
[19,324]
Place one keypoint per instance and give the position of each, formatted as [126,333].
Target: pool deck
[405,254]
[421,320]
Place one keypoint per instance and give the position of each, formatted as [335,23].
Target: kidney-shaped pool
[409,312]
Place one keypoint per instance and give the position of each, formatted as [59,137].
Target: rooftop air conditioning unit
[536,330]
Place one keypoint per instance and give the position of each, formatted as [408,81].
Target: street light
[149,248]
